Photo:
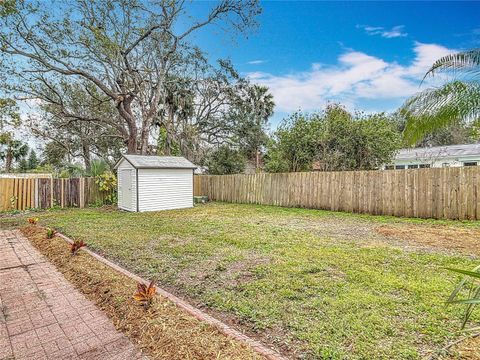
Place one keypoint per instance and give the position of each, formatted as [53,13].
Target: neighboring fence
[450,193]
[24,193]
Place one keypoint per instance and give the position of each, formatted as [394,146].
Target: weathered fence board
[25,193]
[450,193]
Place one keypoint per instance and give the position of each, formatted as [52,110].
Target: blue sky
[367,55]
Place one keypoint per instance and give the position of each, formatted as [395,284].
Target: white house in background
[437,156]
[150,183]
[25,176]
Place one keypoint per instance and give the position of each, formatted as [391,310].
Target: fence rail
[25,193]
[442,193]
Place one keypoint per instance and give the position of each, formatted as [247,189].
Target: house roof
[435,152]
[157,162]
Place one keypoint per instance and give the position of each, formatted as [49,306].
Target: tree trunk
[144,138]
[125,111]
[86,156]
[132,144]
[168,135]
[8,160]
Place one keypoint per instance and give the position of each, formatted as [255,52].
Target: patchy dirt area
[435,237]
[220,274]
[330,227]
[407,236]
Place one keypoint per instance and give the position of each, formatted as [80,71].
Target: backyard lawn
[316,284]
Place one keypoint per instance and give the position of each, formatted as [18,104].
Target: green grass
[311,280]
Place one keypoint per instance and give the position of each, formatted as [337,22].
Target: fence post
[35,193]
[62,200]
[51,192]
[81,190]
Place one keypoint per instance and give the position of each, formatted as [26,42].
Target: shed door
[126,179]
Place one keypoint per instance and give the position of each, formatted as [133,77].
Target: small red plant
[50,233]
[77,245]
[145,294]
[33,220]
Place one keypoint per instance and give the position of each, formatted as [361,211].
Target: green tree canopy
[225,160]
[334,140]
[32,161]
[54,155]
[9,114]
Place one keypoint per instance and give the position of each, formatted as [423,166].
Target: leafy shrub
[13,202]
[107,183]
[33,220]
[145,294]
[76,246]
[50,233]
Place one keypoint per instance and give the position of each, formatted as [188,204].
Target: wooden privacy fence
[24,193]
[442,193]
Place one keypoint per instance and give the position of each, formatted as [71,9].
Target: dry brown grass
[451,239]
[162,332]
[469,349]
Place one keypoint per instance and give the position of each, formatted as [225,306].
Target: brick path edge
[261,349]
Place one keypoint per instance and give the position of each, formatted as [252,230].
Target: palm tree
[259,106]
[97,167]
[455,101]
[11,149]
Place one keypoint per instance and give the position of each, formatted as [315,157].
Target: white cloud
[256,62]
[394,32]
[357,77]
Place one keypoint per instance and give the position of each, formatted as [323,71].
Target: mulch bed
[162,332]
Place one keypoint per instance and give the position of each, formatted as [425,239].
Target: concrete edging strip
[270,354]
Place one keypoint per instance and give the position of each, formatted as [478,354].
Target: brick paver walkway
[42,316]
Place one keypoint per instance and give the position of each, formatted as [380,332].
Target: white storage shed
[150,183]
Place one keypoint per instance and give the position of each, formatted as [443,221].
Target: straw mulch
[162,332]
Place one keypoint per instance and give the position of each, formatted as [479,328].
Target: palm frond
[470,284]
[474,273]
[435,108]
[467,61]
[97,167]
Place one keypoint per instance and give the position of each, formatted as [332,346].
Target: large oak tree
[126,49]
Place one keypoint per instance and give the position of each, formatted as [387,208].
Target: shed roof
[157,162]
[452,151]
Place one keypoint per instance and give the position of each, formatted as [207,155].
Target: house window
[413,166]
[424,166]
[470,163]
[389,167]
[399,167]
